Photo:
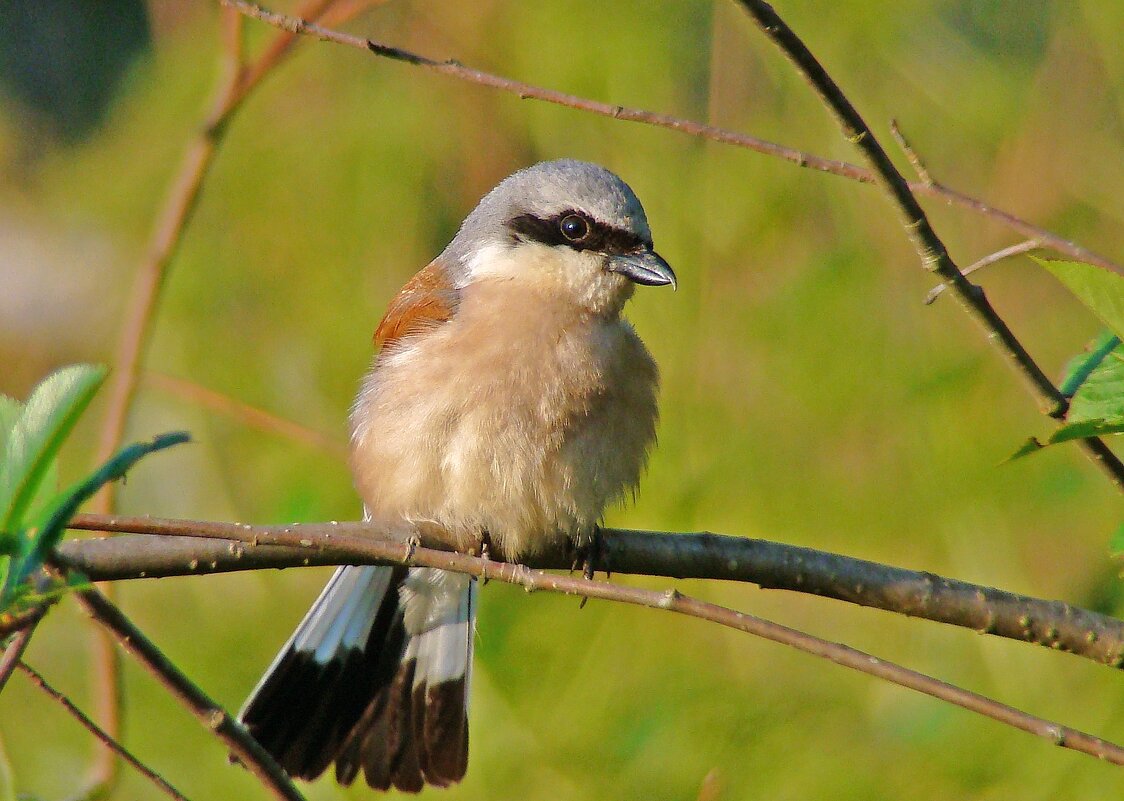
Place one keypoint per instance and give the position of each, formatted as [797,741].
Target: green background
[808,395]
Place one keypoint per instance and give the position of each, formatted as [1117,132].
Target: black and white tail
[375,678]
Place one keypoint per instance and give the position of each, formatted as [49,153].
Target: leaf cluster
[33,512]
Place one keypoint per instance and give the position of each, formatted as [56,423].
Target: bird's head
[569,228]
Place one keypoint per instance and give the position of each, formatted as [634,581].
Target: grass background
[808,396]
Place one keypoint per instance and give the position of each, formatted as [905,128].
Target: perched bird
[508,404]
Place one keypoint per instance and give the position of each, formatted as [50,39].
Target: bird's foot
[482,548]
[590,554]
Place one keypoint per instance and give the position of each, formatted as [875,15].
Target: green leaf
[50,524]
[1101,394]
[47,418]
[1100,289]
[1070,432]
[1032,445]
[1085,429]
[10,410]
[1080,367]
[1097,406]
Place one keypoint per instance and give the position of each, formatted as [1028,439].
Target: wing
[427,300]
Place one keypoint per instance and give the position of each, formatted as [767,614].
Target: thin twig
[18,644]
[225,727]
[911,154]
[1011,250]
[1052,624]
[295,25]
[132,341]
[246,414]
[83,720]
[931,250]
[236,83]
[934,256]
[671,600]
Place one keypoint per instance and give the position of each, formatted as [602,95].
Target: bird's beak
[643,266]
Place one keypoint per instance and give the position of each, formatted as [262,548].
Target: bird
[508,404]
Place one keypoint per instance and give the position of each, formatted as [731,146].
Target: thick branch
[1054,624]
[364,547]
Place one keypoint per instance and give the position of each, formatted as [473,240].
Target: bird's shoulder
[427,300]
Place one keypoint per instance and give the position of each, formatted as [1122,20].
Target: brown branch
[1052,624]
[226,728]
[1016,249]
[246,414]
[235,85]
[103,737]
[932,251]
[347,538]
[298,24]
[911,155]
[18,643]
[132,341]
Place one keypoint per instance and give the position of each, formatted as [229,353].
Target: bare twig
[911,154]
[934,255]
[932,251]
[299,24]
[18,644]
[235,85]
[1052,624]
[132,341]
[1005,253]
[226,728]
[83,720]
[246,414]
[671,600]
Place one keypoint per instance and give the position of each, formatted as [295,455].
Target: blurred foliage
[808,396]
[63,59]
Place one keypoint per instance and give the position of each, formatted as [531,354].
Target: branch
[932,251]
[232,734]
[246,414]
[1053,624]
[18,643]
[934,255]
[236,83]
[1016,249]
[110,743]
[297,25]
[357,541]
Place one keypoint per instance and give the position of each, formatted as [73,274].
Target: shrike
[509,403]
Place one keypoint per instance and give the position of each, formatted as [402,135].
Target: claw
[590,555]
[483,549]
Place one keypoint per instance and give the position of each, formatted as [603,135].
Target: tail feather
[375,679]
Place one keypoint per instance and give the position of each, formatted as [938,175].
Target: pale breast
[524,424]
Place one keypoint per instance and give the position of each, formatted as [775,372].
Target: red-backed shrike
[509,402]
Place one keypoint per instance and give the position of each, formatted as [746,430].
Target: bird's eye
[574,227]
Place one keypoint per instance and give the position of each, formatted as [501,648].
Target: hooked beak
[643,266]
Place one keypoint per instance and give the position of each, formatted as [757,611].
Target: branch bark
[175,552]
[356,541]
